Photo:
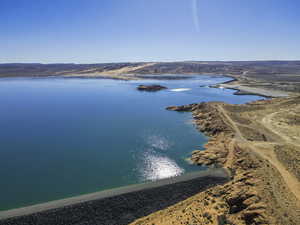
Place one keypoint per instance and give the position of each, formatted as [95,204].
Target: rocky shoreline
[262,190]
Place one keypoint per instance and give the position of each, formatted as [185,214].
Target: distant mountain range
[285,73]
[252,68]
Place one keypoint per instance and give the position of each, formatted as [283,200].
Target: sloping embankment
[116,206]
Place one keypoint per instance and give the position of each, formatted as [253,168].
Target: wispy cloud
[195,14]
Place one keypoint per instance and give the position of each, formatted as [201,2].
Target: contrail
[195,14]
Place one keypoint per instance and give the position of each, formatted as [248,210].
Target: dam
[116,206]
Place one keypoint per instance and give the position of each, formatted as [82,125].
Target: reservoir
[62,137]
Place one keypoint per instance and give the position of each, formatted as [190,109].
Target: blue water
[63,137]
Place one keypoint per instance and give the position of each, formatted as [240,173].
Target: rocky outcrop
[215,154]
[182,108]
[153,87]
[207,117]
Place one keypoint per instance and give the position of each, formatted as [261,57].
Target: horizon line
[166,61]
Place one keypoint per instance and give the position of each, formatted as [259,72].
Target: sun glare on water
[180,89]
[159,167]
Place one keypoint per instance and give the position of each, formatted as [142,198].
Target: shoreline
[248,141]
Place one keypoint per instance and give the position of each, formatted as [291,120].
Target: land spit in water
[116,206]
[254,88]
[260,143]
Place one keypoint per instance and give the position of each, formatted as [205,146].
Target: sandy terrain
[124,73]
[259,143]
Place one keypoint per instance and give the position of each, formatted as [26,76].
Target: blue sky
[95,31]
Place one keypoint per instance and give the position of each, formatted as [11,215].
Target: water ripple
[158,142]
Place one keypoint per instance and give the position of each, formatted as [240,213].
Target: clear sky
[95,31]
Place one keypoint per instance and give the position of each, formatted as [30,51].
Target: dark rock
[254,217]
[153,87]
[237,200]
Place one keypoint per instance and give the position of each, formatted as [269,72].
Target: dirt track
[265,149]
